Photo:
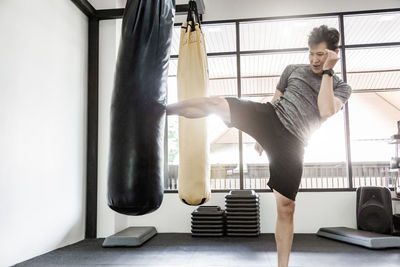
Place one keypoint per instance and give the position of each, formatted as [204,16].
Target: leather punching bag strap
[193,15]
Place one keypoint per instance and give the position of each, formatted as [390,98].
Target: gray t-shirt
[297,108]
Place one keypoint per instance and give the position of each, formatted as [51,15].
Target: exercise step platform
[242,213]
[241,194]
[358,237]
[130,237]
[208,221]
[208,211]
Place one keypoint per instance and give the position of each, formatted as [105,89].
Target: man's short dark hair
[324,34]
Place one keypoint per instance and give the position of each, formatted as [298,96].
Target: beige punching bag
[192,76]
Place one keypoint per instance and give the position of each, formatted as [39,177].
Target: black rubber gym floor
[185,250]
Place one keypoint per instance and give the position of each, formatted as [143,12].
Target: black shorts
[284,150]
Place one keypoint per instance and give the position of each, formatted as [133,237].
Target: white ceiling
[110,4]
[107,4]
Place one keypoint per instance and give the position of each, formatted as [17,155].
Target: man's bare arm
[328,104]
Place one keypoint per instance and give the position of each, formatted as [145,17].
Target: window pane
[373,68]
[280,34]
[222,67]
[176,33]
[273,64]
[222,86]
[373,59]
[260,72]
[373,118]
[325,156]
[173,137]
[224,154]
[173,67]
[373,115]
[261,65]
[224,141]
[374,80]
[372,28]
[222,76]
[255,167]
[218,38]
[259,85]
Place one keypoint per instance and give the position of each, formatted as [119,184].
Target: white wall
[43,70]
[313,209]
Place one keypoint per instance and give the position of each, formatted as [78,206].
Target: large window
[371,54]
[374,109]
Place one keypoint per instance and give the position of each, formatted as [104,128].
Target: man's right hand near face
[258,148]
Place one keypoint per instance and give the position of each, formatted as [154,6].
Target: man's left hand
[331,59]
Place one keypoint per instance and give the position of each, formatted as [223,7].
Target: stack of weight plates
[242,213]
[208,221]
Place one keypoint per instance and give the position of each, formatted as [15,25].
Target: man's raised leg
[200,107]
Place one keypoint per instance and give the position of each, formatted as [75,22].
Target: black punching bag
[135,166]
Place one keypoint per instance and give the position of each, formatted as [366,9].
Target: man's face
[318,57]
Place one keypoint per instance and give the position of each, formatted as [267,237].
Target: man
[306,95]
